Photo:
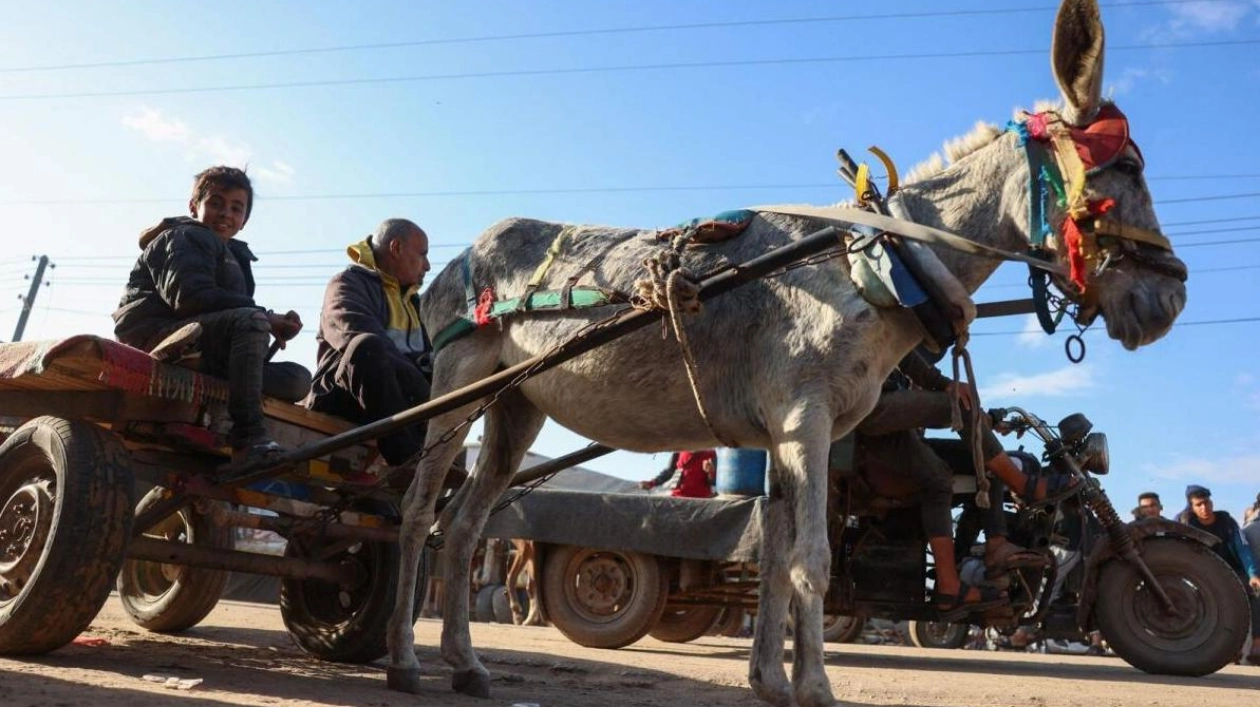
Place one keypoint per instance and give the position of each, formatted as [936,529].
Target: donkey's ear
[1077,57]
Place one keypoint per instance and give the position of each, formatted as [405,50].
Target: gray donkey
[788,363]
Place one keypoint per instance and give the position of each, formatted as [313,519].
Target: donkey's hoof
[403,680]
[471,683]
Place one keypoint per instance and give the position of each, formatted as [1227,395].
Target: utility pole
[29,300]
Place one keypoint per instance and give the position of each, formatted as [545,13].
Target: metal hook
[1072,342]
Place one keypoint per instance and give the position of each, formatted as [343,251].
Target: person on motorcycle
[899,463]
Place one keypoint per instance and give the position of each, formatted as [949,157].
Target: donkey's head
[1099,216]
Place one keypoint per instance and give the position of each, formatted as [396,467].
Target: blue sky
[449,114]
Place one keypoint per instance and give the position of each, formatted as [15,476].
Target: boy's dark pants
[233,345]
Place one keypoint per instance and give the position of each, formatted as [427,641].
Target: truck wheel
[483,604]
[1207,631]
[346,624]
[682,624]
[730,622]
[603,598]
[840,628]
[168,598]
[938,634]
[502,606]
[65,518]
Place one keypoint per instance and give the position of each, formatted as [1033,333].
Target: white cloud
[157,127]
[1072,380]
[1223,470]
[203,148]
[1199,18]
[1032,336]
[277,171]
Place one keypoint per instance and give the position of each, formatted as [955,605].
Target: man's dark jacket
[185,270]
[354,304]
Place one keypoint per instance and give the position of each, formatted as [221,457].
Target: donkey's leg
[765,670]
[511,426]
[418,504]
[800,456]
[514,576]
[403,673]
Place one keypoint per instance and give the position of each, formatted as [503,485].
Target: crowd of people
[1238,546]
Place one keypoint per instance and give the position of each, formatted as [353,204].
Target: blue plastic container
[741,472]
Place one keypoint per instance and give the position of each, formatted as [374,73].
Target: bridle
[1061,158]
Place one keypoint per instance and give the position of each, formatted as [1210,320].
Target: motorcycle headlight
[1093,455]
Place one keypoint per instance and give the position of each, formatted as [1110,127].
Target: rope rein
[672,288]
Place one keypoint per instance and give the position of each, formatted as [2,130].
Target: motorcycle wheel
[1211,621]
[938,634]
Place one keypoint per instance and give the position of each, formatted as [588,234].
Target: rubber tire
[483,604]
[88,526]
[938,634]
[1207,640]
[634,611]
[502,608]
[839,628]
[348,626]
[170,598]
[682,624]
[730,622]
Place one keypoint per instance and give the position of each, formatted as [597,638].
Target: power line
[1204,322]
[519,73]
[557,34]
[553,191]
[1211,220]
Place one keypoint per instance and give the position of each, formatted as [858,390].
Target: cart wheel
[841,628]
[683,624]
[346,624]
[938,634]
[169,598]
[65,518]
[1204,633]
[603,598]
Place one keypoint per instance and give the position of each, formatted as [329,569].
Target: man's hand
[284,326]
[1255,583]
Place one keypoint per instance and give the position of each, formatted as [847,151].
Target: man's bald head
[401,249]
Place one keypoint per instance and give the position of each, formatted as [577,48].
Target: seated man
[192,289]
[373,357]
[892,450]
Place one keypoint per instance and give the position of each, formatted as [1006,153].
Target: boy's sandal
[954,607]
[1058,487]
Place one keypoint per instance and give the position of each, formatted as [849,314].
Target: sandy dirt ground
[244,656]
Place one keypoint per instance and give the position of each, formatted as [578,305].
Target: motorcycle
[1161,597]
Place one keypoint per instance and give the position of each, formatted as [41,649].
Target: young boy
[192,288]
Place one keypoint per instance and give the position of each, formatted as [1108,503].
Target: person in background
[1149,506]
[696,474]
[1251,533]
[1231,548]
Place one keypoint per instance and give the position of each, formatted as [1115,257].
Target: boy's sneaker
[257,453]
[180,345]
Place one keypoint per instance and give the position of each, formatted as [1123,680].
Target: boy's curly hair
[223,177]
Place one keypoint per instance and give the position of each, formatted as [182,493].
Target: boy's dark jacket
[185,270]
